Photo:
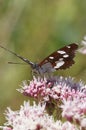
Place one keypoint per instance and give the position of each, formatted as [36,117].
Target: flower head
[56,88]
[33,118]
[53,92]
[75,111]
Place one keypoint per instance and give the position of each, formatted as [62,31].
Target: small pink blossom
[68,126]
[5,128]
[83,123]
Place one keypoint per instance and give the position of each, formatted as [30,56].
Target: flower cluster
[56,88]
[75,111]
[61,106]
[33,118]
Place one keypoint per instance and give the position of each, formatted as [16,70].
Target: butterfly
[60,59]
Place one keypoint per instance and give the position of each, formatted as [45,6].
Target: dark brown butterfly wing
[62,58]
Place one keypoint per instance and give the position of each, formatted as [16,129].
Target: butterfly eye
[36,71]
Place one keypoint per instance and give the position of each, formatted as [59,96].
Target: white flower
[29,118]
[83,44]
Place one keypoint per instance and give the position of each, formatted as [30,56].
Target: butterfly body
[60,59]
[45,68]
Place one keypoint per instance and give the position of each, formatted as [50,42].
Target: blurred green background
[34,29]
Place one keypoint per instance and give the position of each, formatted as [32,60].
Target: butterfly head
[35,68]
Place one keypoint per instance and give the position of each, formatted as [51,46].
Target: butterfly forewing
[61,59]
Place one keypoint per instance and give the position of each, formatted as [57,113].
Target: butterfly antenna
[16,63]
[24,59]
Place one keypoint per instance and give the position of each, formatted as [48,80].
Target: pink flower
[5,128]
[57,98]
[75,110]
[43,89]
[68,126]
[53,92]
[33,118]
